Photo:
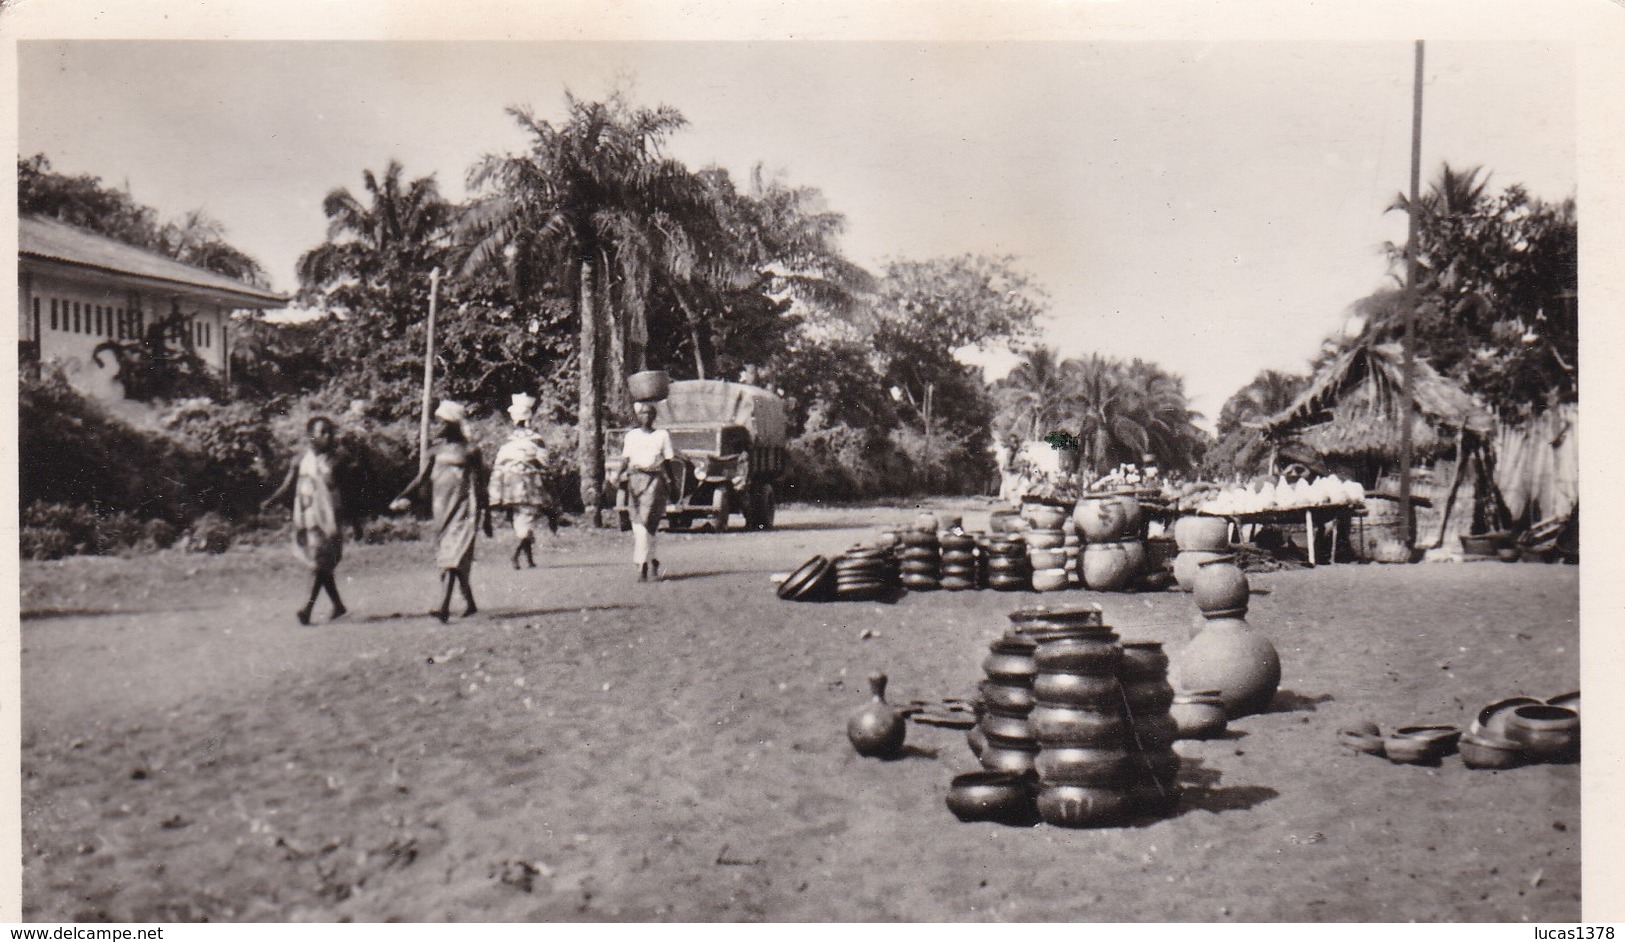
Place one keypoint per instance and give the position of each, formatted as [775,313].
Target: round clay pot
[1230,657]
[915,554]
[1010,564]
[1045,517]
[1150,696]
[1411,750]
[963,542]
[1221,588]
[1188,564]
[956,583]
[1009,582]
[1100,519]
[1046,539]
[1058,616]
[877,730]
[1046,559]
[919,567]
[1134,550]
[1491,721]
[1080,806]
[916,583]
[998,757]
[1006,729]
[1069,726]
[1078,691]
[1142,660]
[1197,532]
[990,796]
[1489,752]
[1198,716]
[958,557]
[1004,521]
[1443,738]
[1010,662]
[1098,655]
[921,537]
[1049,580]
[1067,765]
[1105,567]
[1007,546]
[926,522]
[1154,730]
[976,739]
[1010,699]
[1546,733]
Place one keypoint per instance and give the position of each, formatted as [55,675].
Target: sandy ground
[587,748]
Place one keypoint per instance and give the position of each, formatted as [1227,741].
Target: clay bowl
[1086,654]
[1045,539]
[1063,726]
[1546,733]
[1444,738]
[1014,760]
[1094,691]
[1492,720]
[1198,715]
[1045,517]
[925,538]
[1363,737]
[1049,580]
[806,575]
[990,796]
[1046,559]
[1007,699]
[1080,806]
[1062,765]
[1415,745]
[1569,701]
[1489,752]
[1007,730]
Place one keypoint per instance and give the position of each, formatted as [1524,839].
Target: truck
[730,443]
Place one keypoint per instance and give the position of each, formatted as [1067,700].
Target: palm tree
[1163,410]
[1033,398]
[1110,427]
[593,200]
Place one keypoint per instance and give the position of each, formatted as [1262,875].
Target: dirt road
[587,748]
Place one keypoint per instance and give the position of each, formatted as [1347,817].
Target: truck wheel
[720,507]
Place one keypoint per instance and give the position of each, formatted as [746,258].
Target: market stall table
[1339,516]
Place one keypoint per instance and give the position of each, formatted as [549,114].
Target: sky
[1213,207]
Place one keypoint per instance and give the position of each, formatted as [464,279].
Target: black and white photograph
[1010,463]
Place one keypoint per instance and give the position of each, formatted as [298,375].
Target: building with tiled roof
[78,290]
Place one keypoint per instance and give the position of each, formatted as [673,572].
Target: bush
[401,529]
[44,543]
[211,533]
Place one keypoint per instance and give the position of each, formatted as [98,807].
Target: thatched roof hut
[1351,409]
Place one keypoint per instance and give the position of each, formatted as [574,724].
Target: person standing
[455,473]
[519,479]
[317,478]
[643,467]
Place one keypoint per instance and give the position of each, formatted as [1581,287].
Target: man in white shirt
[643,463]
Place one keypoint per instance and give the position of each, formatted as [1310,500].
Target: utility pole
[428,371]
[1407,515]
[930,467]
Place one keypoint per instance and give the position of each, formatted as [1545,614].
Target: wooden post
[1407,517]
[428,372]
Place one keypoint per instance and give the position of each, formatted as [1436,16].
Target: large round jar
[1546,733]
[1221,588]
[1053,725]
[1238,662]
[1072,765]
[1106,567]
[1197,532]
[1134,550]
[1101,519]
[1188,564]
[1080,806]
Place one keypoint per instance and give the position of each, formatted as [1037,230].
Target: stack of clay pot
[1147,697]
[1200,538]
[1073,547]
[958,565]
[921,560]
[1113,530]
[1007,565]
[1226,655]
[1046,546]
[1084,763]
[861,573]
[1003,739]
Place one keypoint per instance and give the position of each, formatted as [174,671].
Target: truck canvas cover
[715,401]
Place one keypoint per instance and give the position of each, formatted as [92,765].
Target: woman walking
[519,479]
[317,478]
[456,475]
[643,465]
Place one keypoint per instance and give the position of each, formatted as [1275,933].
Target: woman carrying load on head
[319,480]
[643,465]
[519,479]
[456,476]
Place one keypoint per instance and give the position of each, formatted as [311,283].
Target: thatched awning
[1352,407]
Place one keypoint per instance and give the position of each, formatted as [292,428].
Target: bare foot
[304,616]
[444,614]
[339,611]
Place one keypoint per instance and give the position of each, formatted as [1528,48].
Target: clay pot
[1135,551]
[990,796]
[1049,580]
[1546,733]
[1010,662]
[921,537]
[1098,654]
[1491,721]
[1080,806]
[1105,567]
[1006,729]
[1148,697]
[1196,532]
[1143,660]
[1489,752]
[877,730]
[649,385]
[1045,539]
[1009,699]
[1045,517]
[1411,750]
[976,740]
[958,541]
[1230,657]
[1568,700]
[1070,726]
[1058,616]
[1000,757]
[949,522]
[1079,691]
[1064,765]
[1221,588]
[1188,564]
[1198,715]
[1004,521]
[926,521]
[1154,730]
[1007,564]
[1046,559]
[1108,519]
[1443,738]
[1009,582]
